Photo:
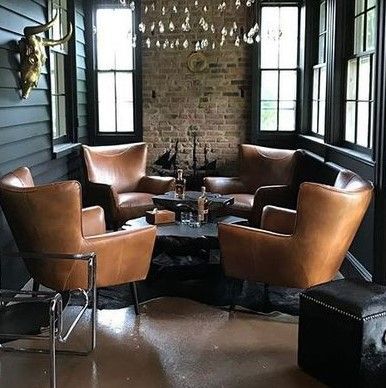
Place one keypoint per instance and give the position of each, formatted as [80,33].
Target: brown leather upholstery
[266,177]
[50,219]
[116,180]
[302,249]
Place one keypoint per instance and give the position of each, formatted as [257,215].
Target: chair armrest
[255,254]
[93,221]
[155,184]
[276,195]
[224,185]
[279,220]
[123,256]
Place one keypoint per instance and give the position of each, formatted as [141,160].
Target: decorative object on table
[168,160]
[216,202]
[208,166]
[342,333]
[197,62]
[157,217]
[211,24]
[203,206]
[33,53]
[180,185]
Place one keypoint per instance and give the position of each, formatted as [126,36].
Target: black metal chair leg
[35,285]
[232,295]
[133,289]
[266,301]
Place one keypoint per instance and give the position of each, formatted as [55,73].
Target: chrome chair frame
[55,330]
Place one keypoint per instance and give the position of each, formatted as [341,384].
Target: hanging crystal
[224,31]
[171,26]
[141,27]
[177,43]
[198,46]
[238,4]
[237,42]
[185,44]
[163,11]
[196,3]
[132,6]
[172,45]
[166,44]
[161,27]
[146,9]
[258,38]
[148,42]
[158,44]
[249,3]
[213,45]
[152,27]
[134,41]
[212,28]
[205,9]
[152,7]
[175,9]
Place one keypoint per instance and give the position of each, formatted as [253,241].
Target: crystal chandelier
[196,24]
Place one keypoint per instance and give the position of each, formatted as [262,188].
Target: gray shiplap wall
[25,125]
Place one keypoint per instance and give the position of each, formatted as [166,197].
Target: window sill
[357,155]
[64,149]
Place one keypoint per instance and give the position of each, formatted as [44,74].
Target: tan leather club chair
[50,219]
[266,176]
[299,248]
[116,180]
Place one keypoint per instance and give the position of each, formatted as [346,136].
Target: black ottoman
[342,333]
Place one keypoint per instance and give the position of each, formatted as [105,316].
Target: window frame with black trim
[355,97]
[119,95]
[62,75]
[260,66]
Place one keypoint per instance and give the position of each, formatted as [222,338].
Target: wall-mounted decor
[197,62]
[33,53]
[198,24]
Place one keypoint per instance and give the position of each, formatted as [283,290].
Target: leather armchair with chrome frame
[116,180]
[267,176]
[299,248]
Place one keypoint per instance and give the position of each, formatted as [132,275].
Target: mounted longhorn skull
[33,53]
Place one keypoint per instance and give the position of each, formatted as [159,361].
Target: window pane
[371,3]
[359,6]
[268,120]
[60,73]
[322,113]
[371,30]
[286,116]
[269,85]
[105,39]
[124,87]
[62,115]
[364,78]
[106,87]
[358,38]
[363,123]
[322,92]
[350,122]
[351,79]
[123,39]
[322,17]
[125,117]
[315,116]
[315,85]
[269,37]
[288,41]
[287,85]
[322,40]
[54,112]
[106,111]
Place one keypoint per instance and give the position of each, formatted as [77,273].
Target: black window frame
[71,137]
[106,138]
[256,134]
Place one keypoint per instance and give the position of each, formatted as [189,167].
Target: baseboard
[352,268]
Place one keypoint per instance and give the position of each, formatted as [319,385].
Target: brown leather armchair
[299,248]
[50,219]
[116,180]
[266,178]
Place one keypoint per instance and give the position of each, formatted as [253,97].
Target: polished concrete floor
[175,343]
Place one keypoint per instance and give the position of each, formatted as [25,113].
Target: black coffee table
[207,230]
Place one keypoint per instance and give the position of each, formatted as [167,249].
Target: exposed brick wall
[216,101]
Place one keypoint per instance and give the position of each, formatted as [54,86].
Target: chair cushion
[242,206]
[133,205]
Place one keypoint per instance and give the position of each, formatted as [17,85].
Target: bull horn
[55,42]
[28,31]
